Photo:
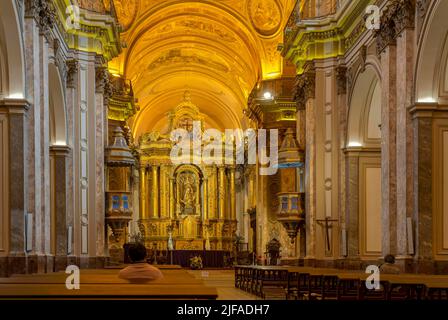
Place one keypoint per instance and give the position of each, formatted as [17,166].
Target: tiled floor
[223,281]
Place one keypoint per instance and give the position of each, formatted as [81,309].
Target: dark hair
[137,252]
[389,259]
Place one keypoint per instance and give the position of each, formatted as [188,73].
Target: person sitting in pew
[139,271]
[389,267]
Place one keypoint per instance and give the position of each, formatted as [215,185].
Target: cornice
[99,31]
[308,38]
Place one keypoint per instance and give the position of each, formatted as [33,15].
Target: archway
[12,163]
[11,47]
[363,145]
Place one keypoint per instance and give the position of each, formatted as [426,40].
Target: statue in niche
[189,194]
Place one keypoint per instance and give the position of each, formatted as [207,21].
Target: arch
[364,117]
[58,119]
[430,52]
[11,45]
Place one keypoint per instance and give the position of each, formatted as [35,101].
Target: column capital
[397,17]
[43,12]
[103,83]
[305,88]
[72,70]
[341,79]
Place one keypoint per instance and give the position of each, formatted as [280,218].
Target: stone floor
[223,281]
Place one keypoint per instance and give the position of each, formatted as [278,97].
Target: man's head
[389,259]
[137,252]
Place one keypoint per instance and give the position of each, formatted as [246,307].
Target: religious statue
[189,197]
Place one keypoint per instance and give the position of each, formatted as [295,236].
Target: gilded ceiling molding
[101,33]
[306,41]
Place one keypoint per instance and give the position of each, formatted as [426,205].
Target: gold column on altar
[143,209]
[222,193]
[155,193]
[205,207]
[171,198]
[232,194]
[211,192]
[162,193]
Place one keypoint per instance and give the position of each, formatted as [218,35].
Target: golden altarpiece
[184,206]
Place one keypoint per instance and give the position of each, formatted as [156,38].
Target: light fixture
[267,95]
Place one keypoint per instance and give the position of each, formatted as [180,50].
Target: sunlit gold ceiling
[216,49]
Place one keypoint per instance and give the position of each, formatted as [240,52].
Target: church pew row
[101,291]
[105,284]
[335,284]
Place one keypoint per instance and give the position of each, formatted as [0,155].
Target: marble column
[143,202]
[405,86]
[341,79]
[60,156]
[310,179]
[155,192]
[17,187]
[423,184]
[388,149]
[103,92]
[352,204]
[33,88]
[305,97]
[71,103]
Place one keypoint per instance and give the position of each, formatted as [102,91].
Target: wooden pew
[102,291]
[105,284]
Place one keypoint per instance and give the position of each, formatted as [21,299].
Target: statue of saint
[189,197]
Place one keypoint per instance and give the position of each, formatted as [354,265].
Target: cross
[327,225]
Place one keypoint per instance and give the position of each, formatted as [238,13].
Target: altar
[185,205]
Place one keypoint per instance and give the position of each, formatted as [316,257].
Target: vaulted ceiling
[216,49]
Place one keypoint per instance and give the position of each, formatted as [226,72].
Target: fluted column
[155,192]
[232,195]
[143,209]
[222,193]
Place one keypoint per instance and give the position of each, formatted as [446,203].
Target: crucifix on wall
[327,223]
